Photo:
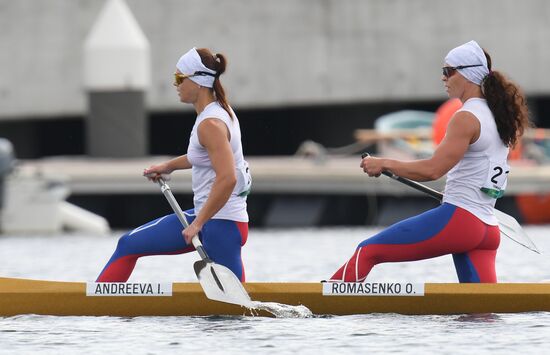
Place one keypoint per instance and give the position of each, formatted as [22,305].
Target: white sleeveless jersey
[203,174]
[480,177]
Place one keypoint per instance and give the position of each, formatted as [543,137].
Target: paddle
[218,282]
[508,225]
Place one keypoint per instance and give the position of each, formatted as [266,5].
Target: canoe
[23,296]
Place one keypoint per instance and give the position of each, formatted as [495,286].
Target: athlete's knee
[232,262]
[239,272]
[124,243]
[368,253]
[357,268]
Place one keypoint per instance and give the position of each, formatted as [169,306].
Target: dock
[287,191]
[333,175]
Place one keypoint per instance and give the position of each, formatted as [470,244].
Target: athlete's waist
[483,212]
[233,210]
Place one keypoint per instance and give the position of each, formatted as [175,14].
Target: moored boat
[22,296]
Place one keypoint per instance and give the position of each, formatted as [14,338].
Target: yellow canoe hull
[22,296]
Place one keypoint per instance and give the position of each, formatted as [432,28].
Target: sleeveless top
[203,174]
[480,176]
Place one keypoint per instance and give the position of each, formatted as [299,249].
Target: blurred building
[309,69]
[298,70]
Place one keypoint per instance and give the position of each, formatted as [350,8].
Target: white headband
[469,54]
[190,63]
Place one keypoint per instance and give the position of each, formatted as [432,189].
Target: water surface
[307,255]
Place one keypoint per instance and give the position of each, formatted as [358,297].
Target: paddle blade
[512,229]
[220,284]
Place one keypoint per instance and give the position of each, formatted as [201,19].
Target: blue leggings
[222,239]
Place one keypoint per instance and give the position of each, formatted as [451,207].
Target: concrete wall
[281,53]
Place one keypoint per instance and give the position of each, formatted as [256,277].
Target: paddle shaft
[179,213]
[428,190]
[415,185]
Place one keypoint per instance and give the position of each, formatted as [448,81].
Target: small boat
[23,296]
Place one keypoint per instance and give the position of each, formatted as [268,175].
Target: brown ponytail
[217,63]
[508,105]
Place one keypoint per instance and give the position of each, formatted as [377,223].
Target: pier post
[6,165]
[116,76]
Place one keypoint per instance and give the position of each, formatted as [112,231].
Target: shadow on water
[479,318]
[216,324]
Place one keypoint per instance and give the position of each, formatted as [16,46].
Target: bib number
[497,178]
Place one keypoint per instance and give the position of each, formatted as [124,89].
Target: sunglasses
[449,71]
[179,77]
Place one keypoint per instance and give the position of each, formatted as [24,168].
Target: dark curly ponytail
[507,103]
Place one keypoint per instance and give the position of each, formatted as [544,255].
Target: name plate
[128,289]
[372,289]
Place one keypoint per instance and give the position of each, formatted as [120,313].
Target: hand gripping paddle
[218,282]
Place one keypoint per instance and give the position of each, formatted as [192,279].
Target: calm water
[273,255]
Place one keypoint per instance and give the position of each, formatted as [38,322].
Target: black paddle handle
[415,185]
[167,192]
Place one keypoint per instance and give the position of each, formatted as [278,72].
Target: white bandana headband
[190,64]
[469,54]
